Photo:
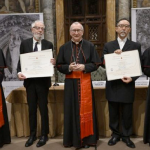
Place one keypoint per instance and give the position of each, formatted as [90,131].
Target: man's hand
[21,76]
[76,67]
[53,61]
[72,66]
[80,67]
[118,51]
[126,79]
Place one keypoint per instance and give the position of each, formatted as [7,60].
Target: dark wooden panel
[92,15]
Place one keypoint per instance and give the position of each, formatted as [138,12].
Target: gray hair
[36,21]
[76,24]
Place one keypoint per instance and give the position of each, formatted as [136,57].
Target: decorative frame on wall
[140,3]
[140,26]
[140,19]
[19,6]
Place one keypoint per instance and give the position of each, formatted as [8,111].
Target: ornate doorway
[92,15]
[61,22]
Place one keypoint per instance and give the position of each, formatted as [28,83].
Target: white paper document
[37,64]
[121,65]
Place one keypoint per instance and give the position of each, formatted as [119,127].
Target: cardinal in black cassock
[146,70]
[77,59]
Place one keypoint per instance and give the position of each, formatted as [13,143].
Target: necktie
[35,48]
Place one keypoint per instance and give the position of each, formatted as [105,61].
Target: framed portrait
[140,3]
[19,6]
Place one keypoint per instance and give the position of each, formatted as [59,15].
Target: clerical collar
[76,42]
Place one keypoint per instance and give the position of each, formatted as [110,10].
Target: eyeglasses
[38,28]
[76,30]
[124,25]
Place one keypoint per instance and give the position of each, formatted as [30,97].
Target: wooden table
[20,121]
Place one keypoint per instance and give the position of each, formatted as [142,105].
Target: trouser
[37,95]
[121,111]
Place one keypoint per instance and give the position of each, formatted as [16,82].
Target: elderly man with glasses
[36,88]
[77,59]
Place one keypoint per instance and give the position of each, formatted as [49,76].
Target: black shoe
[42,141]
[30,141]
[128,142]
[113,140]
[67,146]
[86,146]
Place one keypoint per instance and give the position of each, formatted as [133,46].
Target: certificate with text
[37,64]
[126,64]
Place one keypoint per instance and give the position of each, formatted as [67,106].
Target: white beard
[37,36]
[123,34]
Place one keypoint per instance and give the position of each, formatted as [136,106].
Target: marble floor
[56,144]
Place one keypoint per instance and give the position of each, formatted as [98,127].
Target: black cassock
[82,53]
[146,70]
[4,130]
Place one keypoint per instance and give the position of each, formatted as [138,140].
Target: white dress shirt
[121,42]
[39,45]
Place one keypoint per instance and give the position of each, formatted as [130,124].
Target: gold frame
[144,3]
[36,9]
[134,3]
[37,4]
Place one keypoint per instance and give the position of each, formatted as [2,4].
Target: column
[47,9]
[124,9]
[111,19]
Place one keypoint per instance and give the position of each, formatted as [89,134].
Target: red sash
[1,110]
[86,111]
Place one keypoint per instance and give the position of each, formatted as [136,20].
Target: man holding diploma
[36,88]
[120,93]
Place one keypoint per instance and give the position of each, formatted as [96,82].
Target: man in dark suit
[36,88]
[120,93]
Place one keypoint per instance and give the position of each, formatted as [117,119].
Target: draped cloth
[1,110]
[86,117]
[4,125]
[2,66]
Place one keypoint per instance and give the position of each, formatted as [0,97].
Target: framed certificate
[37,64]
[126,64]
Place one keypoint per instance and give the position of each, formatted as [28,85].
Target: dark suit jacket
[117,90]
[27,47]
